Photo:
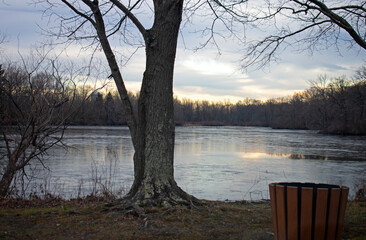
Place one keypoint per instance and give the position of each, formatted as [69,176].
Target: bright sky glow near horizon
[199,75]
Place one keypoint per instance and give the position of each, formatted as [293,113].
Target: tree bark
[154,170]
[6,181]
[8,175]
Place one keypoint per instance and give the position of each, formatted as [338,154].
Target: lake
[216,163]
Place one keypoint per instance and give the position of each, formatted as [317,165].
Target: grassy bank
[90,219]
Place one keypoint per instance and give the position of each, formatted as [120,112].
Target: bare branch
[310,24]
[262,50]
[78,12]
[131,16]
[341,22]
[117,76]
[123,19]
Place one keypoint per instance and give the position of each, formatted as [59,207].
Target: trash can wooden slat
[333,215]
[272,193]
[342,211]
[281,211]
[321,213]
[292,213]
[306,214]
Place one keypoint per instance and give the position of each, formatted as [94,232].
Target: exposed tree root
[135,205]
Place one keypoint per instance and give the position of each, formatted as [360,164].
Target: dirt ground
[91,219]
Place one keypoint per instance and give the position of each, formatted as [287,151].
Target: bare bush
[33,115]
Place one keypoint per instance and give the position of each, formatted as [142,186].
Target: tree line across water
[330,105]
[335,105]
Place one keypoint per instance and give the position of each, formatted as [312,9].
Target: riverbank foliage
[335,106]
[89,218]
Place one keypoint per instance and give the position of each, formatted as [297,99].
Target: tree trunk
[154,150]
[7,177]
[5,183]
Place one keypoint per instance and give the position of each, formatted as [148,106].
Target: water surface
[216,163]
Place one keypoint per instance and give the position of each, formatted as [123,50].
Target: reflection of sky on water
[215,162]
[240,162]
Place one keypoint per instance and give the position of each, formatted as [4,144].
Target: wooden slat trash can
[307,211]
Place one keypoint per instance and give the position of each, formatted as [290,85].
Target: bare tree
[361,74]
[33,115]
[318,93]
[152,127]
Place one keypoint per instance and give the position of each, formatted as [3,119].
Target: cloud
[207,69]
[204,66]
[193,76]
[203,93]
[334,66]
[20,19]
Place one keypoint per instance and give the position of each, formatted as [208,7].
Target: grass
[355,220]
[88,219]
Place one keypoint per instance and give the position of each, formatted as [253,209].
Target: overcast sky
[204,74]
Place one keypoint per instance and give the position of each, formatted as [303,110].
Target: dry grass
[90,219]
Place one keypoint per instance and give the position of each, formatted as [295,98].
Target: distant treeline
[336,106]
[329,105]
